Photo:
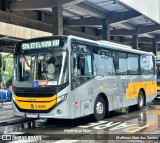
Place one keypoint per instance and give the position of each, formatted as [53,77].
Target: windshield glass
[50,69]
[158,69]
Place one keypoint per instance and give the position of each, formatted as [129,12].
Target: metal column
[57,21]
[135,41]
[154,44]
[106,29]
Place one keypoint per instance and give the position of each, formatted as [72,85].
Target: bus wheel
[99,108]
[141,101]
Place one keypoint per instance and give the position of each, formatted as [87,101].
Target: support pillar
[135,41]
[5,5]
[154,44]
[106,29]
[41,16]
[83,29]
[57,21]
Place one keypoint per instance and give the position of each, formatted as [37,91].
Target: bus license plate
[32,115]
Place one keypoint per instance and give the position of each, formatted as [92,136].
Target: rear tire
[141,101]
[99,108]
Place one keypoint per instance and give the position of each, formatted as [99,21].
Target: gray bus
[68,77]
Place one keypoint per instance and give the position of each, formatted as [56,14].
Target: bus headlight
[61,98]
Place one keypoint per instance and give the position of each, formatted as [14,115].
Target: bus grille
[34,94]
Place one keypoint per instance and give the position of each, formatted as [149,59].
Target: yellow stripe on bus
[35,105]
[35,98]
[133,89]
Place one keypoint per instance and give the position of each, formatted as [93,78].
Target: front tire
[141,101]
[99,108]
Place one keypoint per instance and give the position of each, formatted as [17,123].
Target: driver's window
[76,65]
[87,65]
[82,65]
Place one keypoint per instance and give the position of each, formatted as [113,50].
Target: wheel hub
[99,108]
[141,101]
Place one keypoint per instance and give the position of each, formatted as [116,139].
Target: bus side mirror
[4,65]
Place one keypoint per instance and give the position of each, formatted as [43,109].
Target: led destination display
[40,44]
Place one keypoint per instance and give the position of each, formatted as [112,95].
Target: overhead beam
[90,10]
[113,17]
[148,29]
[80,34]
[25,22]
[122,16]
[122,32]
[140,30]
[140,40]
[124,25]
[37,4]
[34,24]
[91,21]
[149,35]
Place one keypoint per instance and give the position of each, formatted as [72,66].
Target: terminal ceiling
[80,17]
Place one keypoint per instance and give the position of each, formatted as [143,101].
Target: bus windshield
[51,67]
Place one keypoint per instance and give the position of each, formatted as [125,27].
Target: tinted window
[144,64]
[120,63]
[104,63]
[133,66]
[150,67]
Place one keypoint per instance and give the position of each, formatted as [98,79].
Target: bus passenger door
[82,83]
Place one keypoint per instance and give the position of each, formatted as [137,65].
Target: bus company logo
[32,106]
[6,137]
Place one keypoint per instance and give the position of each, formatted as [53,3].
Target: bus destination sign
[40,44]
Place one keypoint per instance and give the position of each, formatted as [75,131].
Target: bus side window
[144,64]
[76,65]
[82,65]
[87,65]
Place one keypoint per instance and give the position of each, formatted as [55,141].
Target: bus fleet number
[41,106]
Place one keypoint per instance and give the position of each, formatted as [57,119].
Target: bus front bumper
[60,112]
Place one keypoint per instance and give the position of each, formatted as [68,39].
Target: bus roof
[112,45]
[100,43]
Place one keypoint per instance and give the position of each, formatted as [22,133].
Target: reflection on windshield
[158,70]
[45,67]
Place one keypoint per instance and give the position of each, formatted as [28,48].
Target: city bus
[68,77]
[158,78]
